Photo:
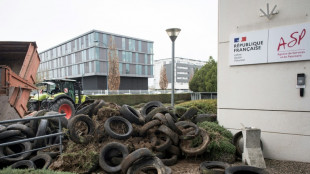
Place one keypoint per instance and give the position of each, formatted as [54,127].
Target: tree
[163,82]
[114,76]
[205,79]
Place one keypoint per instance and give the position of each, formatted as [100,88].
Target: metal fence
[203,95]
[60,133]
[110,92]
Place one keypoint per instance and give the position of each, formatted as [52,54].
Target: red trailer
[19,62]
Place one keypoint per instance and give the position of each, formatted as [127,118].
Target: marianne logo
[237,39]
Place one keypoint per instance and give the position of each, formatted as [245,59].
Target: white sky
[50,22]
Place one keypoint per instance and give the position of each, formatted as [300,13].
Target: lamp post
[173,34]
[97,41]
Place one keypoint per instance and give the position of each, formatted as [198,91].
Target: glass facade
[86,54]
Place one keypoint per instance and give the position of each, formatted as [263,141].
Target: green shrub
[220,147]
[206,106]
[180,110]
[141,98]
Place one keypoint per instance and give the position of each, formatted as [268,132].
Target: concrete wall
[264,95]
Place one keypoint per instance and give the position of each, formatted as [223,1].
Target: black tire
[134,156]
[208,166]
[33,106]
[2,128]
[132,115]
[86,110]
[115,135]
[185,125]
[98,106]
[175,150]
[64,103]
[24,164]
[33,124]
[148,126]
[149,165]
[23,128]
[244,169]
[148,107]
[103,156]
[189,114]
[51,154]
[161,117]
[151,114]
[185,145]
[166,130]
[161,143]
[25,146]
[72,126]
[42,130]
[170,161]
[55,120]
[42,161]
[9,133]
[171,124]
[236,141]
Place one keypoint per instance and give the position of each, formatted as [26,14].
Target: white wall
[264,95]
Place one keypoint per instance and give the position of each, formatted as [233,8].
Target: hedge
[130,99]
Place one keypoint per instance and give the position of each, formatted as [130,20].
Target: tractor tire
[64,105]
[33,106]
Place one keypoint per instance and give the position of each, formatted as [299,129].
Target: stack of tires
[29,129]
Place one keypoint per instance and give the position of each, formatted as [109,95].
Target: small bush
[206,106]
[220,147]
[180,110]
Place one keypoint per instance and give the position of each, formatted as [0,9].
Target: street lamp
[97,41]
[173,34]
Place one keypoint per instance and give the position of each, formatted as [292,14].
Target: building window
[82,69]
[90,39]
[123,43]
[83,55]
[149,48]
[90,67]
[120,68]
[139,46]
[127,69]
[105,40]
[69,47]
[146,70]
[145,58]
[97,66]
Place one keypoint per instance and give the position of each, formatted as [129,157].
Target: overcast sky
[50,22]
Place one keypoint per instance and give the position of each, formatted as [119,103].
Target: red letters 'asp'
[293,42]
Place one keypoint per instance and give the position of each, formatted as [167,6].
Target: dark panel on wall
[100,83]
[134,83]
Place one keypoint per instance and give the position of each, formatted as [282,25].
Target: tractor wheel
[33,106]
[64,106]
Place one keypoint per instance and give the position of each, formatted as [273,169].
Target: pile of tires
[29,129]
[169,135]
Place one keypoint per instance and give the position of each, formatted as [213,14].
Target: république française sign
[289,43]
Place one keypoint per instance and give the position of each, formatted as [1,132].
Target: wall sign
[289,43]
[249,48]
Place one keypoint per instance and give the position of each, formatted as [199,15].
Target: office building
[184,69]
[85,58]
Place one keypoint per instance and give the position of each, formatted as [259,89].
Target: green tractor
[61,95]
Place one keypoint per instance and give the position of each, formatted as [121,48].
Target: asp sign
[290,43]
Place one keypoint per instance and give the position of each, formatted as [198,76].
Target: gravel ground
[191,166]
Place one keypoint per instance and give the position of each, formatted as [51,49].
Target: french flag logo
[237,39]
